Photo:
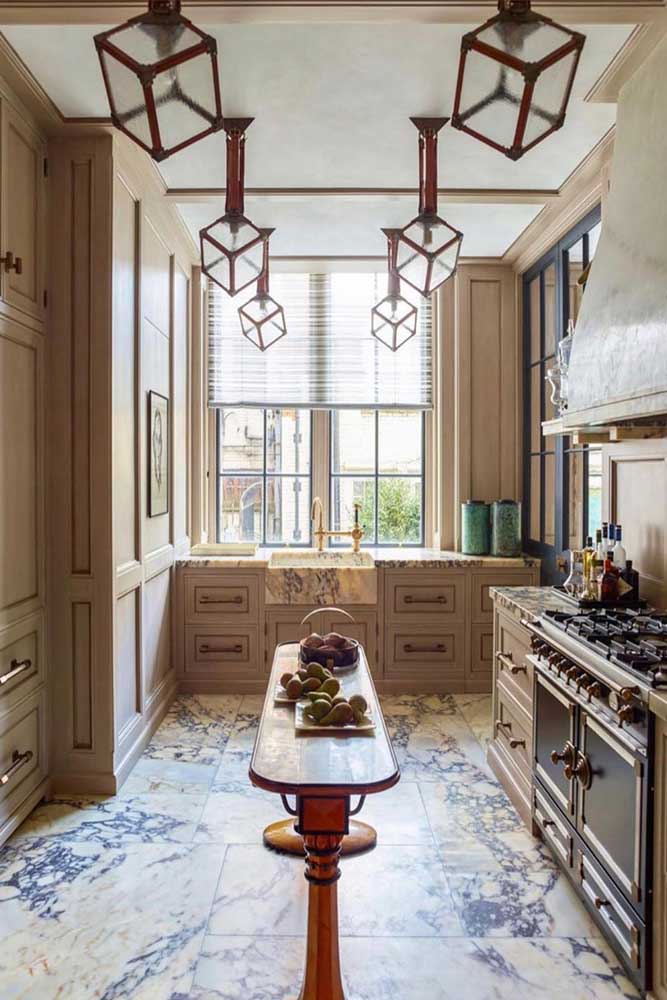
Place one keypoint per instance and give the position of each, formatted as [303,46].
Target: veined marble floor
[165,892]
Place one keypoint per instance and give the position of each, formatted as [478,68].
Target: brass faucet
[320,532]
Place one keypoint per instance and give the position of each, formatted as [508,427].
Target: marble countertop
[388,558]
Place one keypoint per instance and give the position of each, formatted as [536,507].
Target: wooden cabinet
[510,749]
[284,625]
[22,212]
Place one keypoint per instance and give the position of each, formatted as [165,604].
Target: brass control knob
[626,715]
[567,756]
[571,673]
[594,690]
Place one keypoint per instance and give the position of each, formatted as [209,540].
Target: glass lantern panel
[260,308]
[233,233]
[216,264]
[185,100]
[395,310]
[548,98]
[491,98]
[430,233]
[444,265]
[248,266]
[150,43]
[128,98]
[529,41]
[412,266]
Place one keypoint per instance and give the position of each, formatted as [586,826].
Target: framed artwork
[158,454]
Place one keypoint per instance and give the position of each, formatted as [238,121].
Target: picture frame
[158,454]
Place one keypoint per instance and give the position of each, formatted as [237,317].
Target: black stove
[633,640]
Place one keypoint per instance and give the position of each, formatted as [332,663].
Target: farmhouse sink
[312,559]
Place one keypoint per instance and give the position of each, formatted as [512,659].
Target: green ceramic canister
[475,528]
[506,528]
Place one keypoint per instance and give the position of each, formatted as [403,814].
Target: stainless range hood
[618,366]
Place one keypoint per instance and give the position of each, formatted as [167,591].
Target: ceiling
[331,104]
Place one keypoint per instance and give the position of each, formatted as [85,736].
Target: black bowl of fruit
[332,650]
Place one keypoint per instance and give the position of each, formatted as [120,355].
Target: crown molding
[466,196]
[582,191]
[627,60]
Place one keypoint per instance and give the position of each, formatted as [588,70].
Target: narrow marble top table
[323,771]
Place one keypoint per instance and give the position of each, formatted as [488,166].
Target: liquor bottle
[599,554]
[619,551]
[597,569]
[605,539]
[631,577]
[611,537]
[608,584]
[589,555]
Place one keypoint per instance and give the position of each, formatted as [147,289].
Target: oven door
[554,747]
[612,790]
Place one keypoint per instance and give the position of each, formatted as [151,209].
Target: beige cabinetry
[285,625]
[24,757]
[510,750]
[660,864]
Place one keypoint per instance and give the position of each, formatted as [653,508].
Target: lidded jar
[475,528]
[506,528]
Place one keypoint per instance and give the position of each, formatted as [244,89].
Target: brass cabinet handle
[505,659]
[439,647]
[12,263]
[599,903]
[504,725]
[512,740]
[548,822]
[582,770]
[409,599]
[18,760]
[567,756]
[205,648]
[16,667]
[514,743]
[221,600]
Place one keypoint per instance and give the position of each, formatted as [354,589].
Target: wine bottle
[619,551]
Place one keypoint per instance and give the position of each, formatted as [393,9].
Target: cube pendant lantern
[393,319]
[161,78]
[232,247]
[515,78]
[428,247]
[262,319]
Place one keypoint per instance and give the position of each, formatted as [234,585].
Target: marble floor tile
[398,816]
[81,920]
[196,729]
[243,733]
[236,813]
[418,705]
[477,828]
[271,968]
[518,904]
[476,710]
[259,893]
[396,892]
[233,766]
[156,775]
[153,817]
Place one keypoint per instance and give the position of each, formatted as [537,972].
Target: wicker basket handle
[318,611]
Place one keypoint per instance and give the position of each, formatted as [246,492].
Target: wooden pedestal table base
[282,836]
[322,980]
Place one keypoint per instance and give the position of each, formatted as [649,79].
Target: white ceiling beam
[464,196]
[239,11]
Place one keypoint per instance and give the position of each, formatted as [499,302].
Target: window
[263,483]
[377,461]
[562,483]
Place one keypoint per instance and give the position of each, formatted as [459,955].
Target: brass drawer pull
[18,760]
[599,903]
[16,667]
[12,263]
[222,600]
[503,725]
[548,822]
[513,742]
[205,648]
[410,599]
[438,647]
[505,660]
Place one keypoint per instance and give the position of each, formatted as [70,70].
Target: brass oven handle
[514,668]
[18,760]
[12,263]
[221,600]
[567,755]
[205,648]
[582,770]
[409,599]
[438,647]
[16,667]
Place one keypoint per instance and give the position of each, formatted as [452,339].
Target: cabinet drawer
[554,829]
[617,920]
[413,596]
[216,598]
[514,671]
[513,729]
[426,653]
[229,653]
[482,584]
[21,668]
[22,753]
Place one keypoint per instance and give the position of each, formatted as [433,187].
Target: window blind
[328,360]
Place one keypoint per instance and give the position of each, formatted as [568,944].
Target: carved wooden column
[322,980]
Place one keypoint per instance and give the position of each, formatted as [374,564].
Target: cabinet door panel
[22,213]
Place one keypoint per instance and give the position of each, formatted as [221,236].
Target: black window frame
[558,256]
[376,476]
[262,474]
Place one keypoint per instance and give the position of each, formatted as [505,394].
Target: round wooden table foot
[282,837]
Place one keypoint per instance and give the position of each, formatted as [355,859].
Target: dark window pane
[535,329]
[535,498]
[550,310]
[536,408]
[549,537]
[241,509]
